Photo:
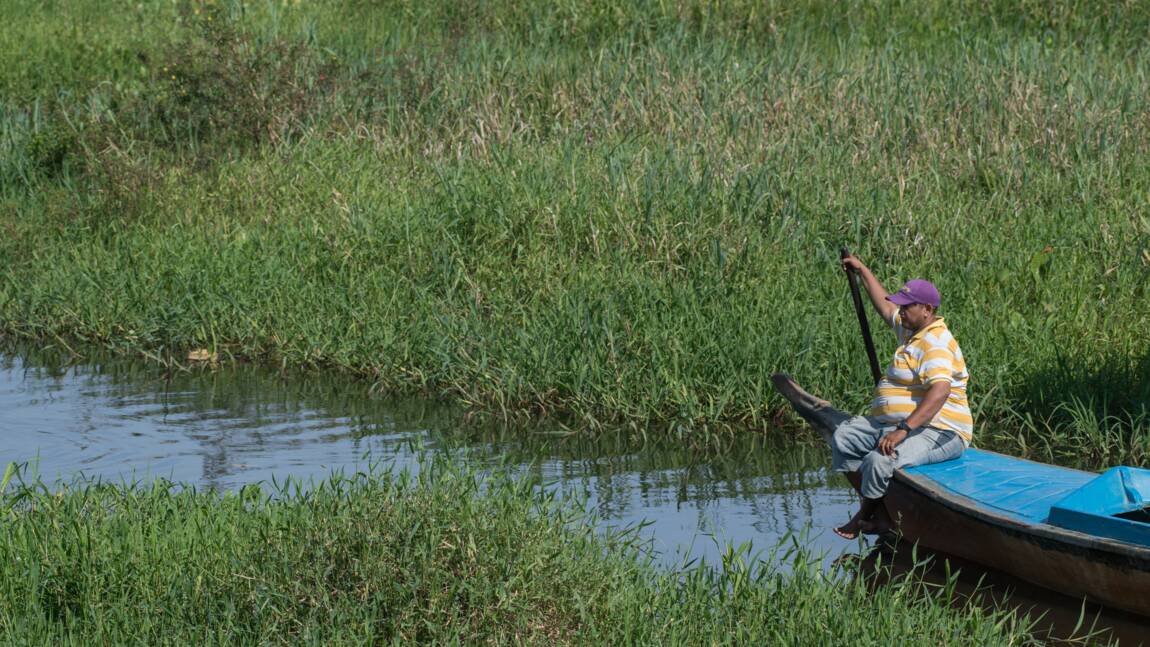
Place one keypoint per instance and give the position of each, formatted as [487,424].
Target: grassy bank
[442,557]
[618,213]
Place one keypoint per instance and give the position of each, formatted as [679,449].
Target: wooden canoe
[1010,514]
[1078,533]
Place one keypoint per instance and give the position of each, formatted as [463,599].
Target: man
[919,414]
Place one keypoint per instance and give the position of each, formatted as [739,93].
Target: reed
[611,213]
[439,555]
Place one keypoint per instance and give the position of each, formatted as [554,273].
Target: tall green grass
[616,213]
[445,555]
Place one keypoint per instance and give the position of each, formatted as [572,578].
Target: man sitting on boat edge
[920,412]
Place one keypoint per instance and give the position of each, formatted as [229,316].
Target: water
[124,421]
[120,421]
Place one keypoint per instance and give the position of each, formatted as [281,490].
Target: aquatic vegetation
[617,214]
[443,555]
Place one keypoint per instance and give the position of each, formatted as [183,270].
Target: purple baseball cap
[916,291]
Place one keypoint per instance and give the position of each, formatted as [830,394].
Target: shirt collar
[937,323]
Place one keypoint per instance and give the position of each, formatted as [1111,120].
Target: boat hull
[1107,572]
[1104,570]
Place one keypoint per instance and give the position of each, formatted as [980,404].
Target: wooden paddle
[852,278]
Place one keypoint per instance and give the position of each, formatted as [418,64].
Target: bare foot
[848,531]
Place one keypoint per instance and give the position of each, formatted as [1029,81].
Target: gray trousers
[854,448]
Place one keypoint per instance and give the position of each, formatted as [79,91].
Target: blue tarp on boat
[1038,493]
[1021,489]
[1092,508]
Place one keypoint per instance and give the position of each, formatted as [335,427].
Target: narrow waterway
[125,421]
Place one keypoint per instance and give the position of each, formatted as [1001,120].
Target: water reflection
[1058,619]
[757,491]
[122,420]
[219,429]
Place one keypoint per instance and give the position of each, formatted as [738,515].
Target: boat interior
[1114,504]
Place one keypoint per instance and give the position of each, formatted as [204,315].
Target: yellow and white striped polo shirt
[922,358]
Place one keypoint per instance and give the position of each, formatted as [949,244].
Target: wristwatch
[902,425]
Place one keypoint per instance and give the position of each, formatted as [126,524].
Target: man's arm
[926,410]
[874,289]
